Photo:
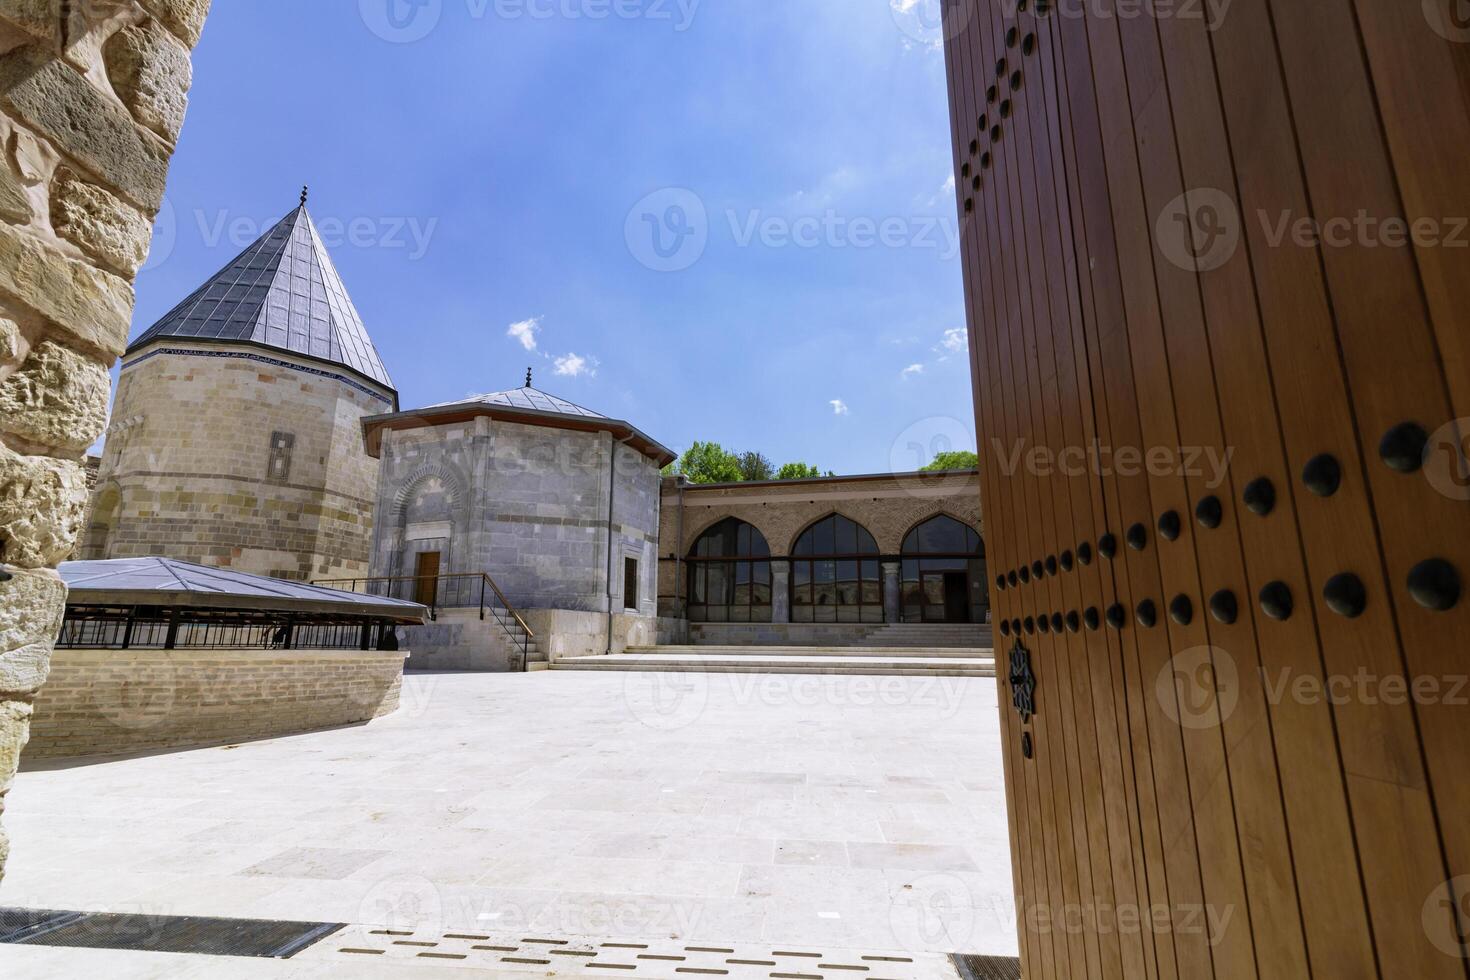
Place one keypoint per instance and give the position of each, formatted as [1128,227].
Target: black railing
[460,590]
[154,628]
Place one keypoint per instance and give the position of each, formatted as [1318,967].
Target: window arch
[730,575]
[836,576]
[944,577]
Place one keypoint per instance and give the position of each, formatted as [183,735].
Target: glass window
[832,579]
[730,575]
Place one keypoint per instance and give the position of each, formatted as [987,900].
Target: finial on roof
[304,189]
[528,377]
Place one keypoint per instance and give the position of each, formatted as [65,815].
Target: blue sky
[482,164]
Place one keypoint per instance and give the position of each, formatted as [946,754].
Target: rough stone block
[184,17]
[15,725]
[15,206]
[24,671]
[35,159]
[151,73]
[41,19]
[60,103]
[10,342]
[31,607]
[94,306]
[42,508]
[101,223]
[57,398]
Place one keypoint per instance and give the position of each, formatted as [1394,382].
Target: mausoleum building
[557,503]
[235,437]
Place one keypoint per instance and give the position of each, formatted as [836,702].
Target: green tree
[709,462]
[798,471]
[963,460]
[755,467]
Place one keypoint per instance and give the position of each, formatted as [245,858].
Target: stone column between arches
[92,99]
[780,590]
[892,592]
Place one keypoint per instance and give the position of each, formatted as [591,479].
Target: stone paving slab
[849,812]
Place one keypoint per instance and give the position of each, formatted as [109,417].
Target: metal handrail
[368,586]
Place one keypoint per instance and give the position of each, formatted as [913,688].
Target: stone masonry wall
[92,96]
[111,702]
[187,468]
[527,504]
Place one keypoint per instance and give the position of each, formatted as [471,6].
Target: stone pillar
[780,590]
[92,97]
[892,592]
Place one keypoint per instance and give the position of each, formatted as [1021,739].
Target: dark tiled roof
[527,398]
[184,583]
[282,292]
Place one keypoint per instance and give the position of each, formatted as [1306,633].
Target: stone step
[926,630]
[789,651]
[692,664]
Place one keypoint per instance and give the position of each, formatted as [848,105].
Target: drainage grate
[16,925]
[664,959]
[987,967]
[161,933]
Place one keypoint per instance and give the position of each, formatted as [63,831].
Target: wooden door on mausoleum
[426,577]
[1218,285]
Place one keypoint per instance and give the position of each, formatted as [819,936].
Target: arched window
[730,575]
[944,573]
[835,574]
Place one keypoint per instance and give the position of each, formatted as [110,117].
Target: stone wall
[459,640]
[112,702]
[562,633]
[92,96]
[527,504]
[192,470]
[889,506]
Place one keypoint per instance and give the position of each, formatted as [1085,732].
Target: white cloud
[839,407]
[913,370]
[956,341]
[831,188]
[575,365]
[945,192]
[525,332]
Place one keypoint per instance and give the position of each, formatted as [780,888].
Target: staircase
[964,636]
[904,661]
[459,640]
[471,627]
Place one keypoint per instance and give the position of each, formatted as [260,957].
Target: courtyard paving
[850,812]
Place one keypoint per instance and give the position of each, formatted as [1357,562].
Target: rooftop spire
[304,189]
[528,377]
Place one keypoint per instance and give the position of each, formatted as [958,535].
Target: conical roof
[281,292]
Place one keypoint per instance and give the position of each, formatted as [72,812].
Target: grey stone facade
[526,502]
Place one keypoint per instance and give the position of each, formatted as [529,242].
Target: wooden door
[426,578]
[1235,578]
